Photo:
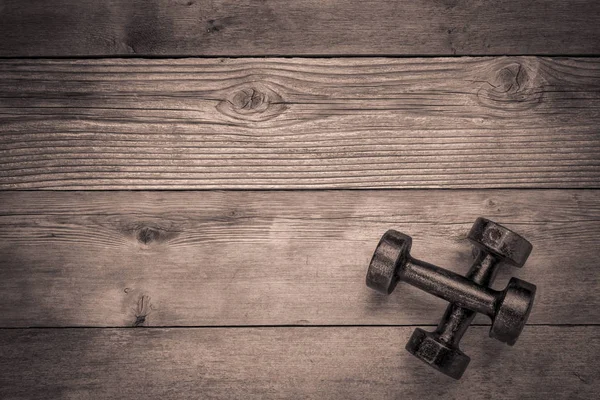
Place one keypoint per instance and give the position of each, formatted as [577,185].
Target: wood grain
[308,363]
[302,27]
[300,123]
[274,257]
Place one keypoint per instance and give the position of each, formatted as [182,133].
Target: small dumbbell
[508,309]
[440,349]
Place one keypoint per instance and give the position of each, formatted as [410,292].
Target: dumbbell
[496,245]
[508,309]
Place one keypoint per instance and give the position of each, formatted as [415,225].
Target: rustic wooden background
[191,192]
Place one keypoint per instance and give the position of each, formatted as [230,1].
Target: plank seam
[307,190]
[312,56]
[284,326]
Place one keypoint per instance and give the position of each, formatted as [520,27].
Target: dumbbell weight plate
[428,347]
[501,241]
[392,250]
[513,311]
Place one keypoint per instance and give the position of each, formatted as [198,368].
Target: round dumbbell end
[504,243]
[513,311]
[428,347]
[391,254]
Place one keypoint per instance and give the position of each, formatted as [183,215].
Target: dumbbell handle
[450,286]
[456,319]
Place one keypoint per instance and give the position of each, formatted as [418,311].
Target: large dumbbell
[440,349]
[508,309]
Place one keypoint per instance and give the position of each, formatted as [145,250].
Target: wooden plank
[302,27]
[273,258]
[300,123]
[308,363]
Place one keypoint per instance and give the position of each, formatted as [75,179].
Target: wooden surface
[274,258]
[300,123]
[269,363]
[109,290]
[301,27]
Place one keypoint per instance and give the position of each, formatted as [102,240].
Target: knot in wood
[147,234]
[515,87]
[252,102]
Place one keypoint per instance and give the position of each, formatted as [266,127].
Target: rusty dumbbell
[508,309]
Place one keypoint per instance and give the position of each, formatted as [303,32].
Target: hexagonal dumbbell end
[512,311]
[446,358]
[390,254]
[493,238]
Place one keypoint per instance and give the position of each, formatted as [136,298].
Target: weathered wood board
[300,123]
[274,257]
[269,363]
[260,293]
[63,28]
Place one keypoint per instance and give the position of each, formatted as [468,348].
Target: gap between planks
[278,326]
